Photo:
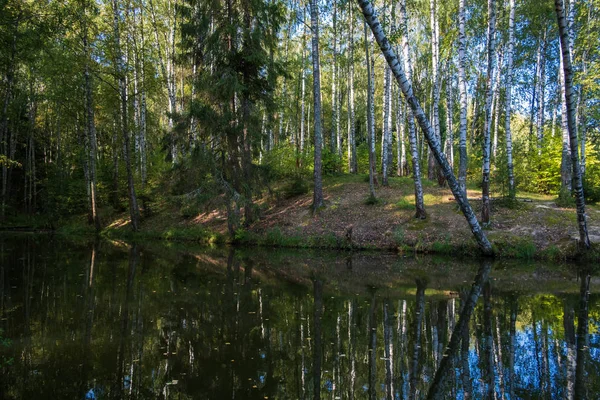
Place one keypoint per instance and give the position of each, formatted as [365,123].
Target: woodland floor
[534,219]
[533,227]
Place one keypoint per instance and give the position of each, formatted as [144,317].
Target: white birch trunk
[491,66]
[584,240]
[508,107]
[352,161]
[412,131]
[433,141]
[462,88]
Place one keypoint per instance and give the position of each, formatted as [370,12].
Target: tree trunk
[462,87]
[434,144]
[352,159]
[121,74]
[449,115]
[491,66]
[541,92]
[370,115]
[401,167]
[167,71]
[334,95]
[385,135]
[314,24]
[584,240]
[432,167]
[303,90]
[91,129]
[412,131]
[509,83]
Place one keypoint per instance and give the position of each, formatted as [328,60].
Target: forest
[115,112]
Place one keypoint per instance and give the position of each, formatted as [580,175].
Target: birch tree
[90,123]
[432,140]
[412,131]
[567,71]
[370,114]
[352,161]
[462,88]
[121,76]
[508,107]
[491,65]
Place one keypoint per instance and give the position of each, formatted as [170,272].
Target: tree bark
[120,70]
[509,83]
[433,142]
[91,127]
[584,240]
[412,132]
[370,115]
[462,87]
[352,159]
[318,189]
[491,66]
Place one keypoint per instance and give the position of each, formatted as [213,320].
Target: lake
[109,320]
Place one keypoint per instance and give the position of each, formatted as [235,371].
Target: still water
[112,321]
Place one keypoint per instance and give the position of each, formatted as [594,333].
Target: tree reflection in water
[148,322]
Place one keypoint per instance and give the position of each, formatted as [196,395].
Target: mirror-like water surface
[104,321]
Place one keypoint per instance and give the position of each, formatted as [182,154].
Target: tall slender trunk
[166,63]
[449,115]
[508,107]
[462,88]
[412,131]
[303,89]
[584,240]
[496,103]
[541,92]
[401,166]
[314,25]
[370,114]
[432,168]
[352,159]
[335,122]
[121,74]
[491,66]
[434,144]
[385,135]
[91,128]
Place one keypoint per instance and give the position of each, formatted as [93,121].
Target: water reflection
[108,322]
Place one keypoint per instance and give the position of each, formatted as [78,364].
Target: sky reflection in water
[103,321]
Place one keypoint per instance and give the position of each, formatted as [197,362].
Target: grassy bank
[534,227]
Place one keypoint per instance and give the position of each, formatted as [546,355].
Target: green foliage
[4,344]
[296,186]
[332,162]
[373,201]
[285,162]
[515,247]
[405,204]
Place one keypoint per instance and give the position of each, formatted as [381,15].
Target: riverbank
[533,227]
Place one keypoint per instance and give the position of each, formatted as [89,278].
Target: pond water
[109,320]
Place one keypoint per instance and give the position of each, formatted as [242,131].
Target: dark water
[145,322]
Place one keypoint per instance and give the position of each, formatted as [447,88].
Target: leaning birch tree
[432,140]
